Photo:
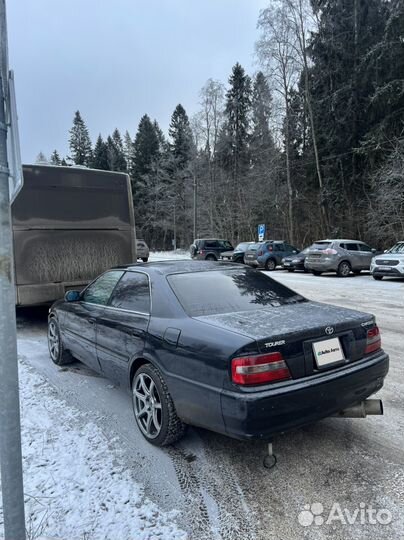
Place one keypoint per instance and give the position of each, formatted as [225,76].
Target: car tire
[316,273]
[164,428]
[145,259]
[378,278]
[357,272]
[270,265]
[344,269]
[291,269]
[210,258]
[58,354]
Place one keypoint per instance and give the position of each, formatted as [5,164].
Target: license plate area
[328,352]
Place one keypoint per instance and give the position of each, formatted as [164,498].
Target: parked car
[390,264]
[340,256]
[209,249]
[142,250]
[295,262]
[237,255]
[220,346]
[270,254]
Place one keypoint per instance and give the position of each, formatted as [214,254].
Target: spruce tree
[100,155]
[234,152]
[79,142]
[182,143]
[145,148]
[118,162]
[261,137]
[41,159]
[55,158]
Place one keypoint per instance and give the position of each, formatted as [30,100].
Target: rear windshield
[226,291]
[398,248]
[321,245]
[254,247]
[243,246]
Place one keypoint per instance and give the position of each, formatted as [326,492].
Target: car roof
[339,240]
[178,266]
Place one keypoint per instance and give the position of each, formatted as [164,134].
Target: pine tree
[55,158]
[79,142]
[100,155]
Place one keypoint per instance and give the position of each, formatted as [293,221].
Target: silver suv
[340,256]
[391,263]
[142,250]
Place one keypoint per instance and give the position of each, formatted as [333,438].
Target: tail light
[330,251]
[201,252]
[373,342]
[270,248]
[260,369]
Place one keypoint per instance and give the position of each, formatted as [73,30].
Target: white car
[390,263]
[142,250]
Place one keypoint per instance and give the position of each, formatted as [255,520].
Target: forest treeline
[312,144]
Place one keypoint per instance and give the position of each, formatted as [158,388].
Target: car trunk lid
[292,330]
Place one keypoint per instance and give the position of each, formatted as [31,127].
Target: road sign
[261,232]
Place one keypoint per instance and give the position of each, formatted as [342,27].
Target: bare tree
[302,21]
[276,50]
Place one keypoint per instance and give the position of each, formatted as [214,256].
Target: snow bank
[169,255]
[75,484]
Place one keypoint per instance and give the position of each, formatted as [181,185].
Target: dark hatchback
[296,261]
[220,346]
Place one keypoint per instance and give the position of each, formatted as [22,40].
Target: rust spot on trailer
[5,267]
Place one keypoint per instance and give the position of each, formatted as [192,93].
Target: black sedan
[218,345]
[295,262]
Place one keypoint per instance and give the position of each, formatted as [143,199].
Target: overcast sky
[117,60]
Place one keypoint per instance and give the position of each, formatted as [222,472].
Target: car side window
[364,247]
[132,293]
[212,245]
[100,290]
[351,246]
[279,247]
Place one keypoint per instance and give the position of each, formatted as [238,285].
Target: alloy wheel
[53,340]
[147,406]
[345,269]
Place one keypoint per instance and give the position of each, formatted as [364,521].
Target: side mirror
[294,251]
[385,251]
[72,296]
[374,251]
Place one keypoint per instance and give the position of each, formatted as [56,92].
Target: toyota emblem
[329,330]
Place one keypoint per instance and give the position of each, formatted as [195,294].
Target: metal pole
[10,429]
[195,208]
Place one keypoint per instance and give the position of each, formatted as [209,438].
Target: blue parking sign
[261,232]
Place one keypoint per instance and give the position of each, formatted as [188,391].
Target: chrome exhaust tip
[362,409]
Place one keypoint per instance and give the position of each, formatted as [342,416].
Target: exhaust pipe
[362,409]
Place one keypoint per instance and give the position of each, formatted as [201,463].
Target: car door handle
[91,320]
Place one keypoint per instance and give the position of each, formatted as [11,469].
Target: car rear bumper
[251,262]
[260,415]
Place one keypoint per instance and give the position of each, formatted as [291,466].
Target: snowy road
[219,485]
